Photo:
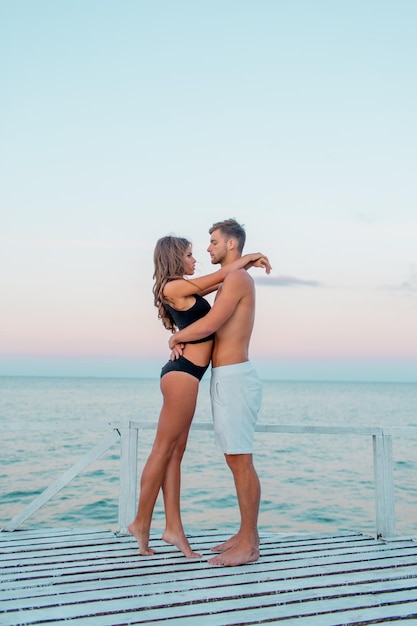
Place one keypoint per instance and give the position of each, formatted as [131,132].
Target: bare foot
[237,555]
[222,547]
[142,537]
[181,542]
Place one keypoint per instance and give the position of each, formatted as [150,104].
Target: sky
[126,120]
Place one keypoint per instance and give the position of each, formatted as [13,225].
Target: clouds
[287,281]
[409,285]
[143,129]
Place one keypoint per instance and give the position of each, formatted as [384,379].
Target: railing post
[384,485]
[128,476]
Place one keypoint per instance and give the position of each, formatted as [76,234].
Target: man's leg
[244,546]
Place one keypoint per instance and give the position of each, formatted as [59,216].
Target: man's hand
[176,352]
[176,348]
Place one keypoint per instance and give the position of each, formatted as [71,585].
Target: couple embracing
[202,334]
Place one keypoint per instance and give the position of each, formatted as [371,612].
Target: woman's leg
[179,392]
[171,488]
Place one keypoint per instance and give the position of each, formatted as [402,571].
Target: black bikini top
[182,319]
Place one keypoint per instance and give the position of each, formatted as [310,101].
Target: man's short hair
[231,229]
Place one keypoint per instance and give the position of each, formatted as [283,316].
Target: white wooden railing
[128,436]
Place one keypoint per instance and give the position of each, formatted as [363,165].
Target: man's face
[217,248]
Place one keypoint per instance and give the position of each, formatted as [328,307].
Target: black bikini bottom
[184,365]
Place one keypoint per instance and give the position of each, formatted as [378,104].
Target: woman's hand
[259,260]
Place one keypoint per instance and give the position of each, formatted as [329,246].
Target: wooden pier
[96,578]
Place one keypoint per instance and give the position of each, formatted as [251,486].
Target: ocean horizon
[297,369]
[309,482]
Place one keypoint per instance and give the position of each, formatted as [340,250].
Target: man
[235,388]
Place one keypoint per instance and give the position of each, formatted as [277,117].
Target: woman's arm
[207,284]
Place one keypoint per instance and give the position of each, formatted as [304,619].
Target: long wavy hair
[168,258]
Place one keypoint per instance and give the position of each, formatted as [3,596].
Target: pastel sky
[126,120]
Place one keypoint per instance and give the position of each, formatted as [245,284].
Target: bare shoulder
[176,288]
[238,280]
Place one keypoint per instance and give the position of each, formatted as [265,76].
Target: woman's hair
[168,258]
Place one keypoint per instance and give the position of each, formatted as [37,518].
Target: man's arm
[223,308]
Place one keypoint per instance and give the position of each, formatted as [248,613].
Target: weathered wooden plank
[48,538]
[232,610]
[305,429]
[384,485]
[91,425]
[284,580]
[128,580]
[98,544]
[43,559]
[293,590]
[60,425]
[46,533]
[354,618]
[98,553]
[364,615]
[154,575]
[128,476]
[322,579]
[296,568]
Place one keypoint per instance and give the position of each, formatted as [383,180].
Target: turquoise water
[309,483]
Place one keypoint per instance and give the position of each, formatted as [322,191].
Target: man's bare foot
[231,542]
[237,555]
[222,547]
[142,537]
[181,542]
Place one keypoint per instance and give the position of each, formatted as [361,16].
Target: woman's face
[189,262]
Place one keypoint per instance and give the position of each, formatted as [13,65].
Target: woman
[179,302]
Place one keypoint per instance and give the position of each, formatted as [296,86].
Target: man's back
[236,297]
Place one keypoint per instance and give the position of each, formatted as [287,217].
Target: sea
[310,483]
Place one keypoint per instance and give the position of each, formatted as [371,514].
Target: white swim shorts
[236,397]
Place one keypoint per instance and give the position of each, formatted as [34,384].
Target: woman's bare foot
[237,555]
[142,537]
[181,542]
